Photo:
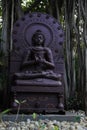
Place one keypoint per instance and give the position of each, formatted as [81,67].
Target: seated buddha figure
[38,63]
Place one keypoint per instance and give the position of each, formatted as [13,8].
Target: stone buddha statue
[38,62]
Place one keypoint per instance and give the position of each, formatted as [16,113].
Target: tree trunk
[6,6]
[85,40]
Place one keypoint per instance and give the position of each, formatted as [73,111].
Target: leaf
[1,63]
[77,118]
[23,101]
[34,115]
[43,127]
[17,101]
[56,127]
[5,111]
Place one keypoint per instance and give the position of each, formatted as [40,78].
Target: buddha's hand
[42,60]
[39,60]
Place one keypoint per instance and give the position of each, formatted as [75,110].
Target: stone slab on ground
[22,117]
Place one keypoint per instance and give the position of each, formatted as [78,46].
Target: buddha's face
[38,39]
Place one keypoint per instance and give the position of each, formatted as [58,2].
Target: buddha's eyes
[40,37]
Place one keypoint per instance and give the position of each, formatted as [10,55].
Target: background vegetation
[73,17]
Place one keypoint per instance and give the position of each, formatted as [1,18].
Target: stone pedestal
[39,99]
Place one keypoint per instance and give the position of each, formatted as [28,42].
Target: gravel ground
[46,124]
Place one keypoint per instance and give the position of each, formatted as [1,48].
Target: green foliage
[35,6]
[4,112]
[56,127]
[74,102]
[34,116]
[19,106]
[77,119]
[42,126]
[20,102]
[0,8]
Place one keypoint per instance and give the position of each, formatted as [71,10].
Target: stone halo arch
[25,27]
